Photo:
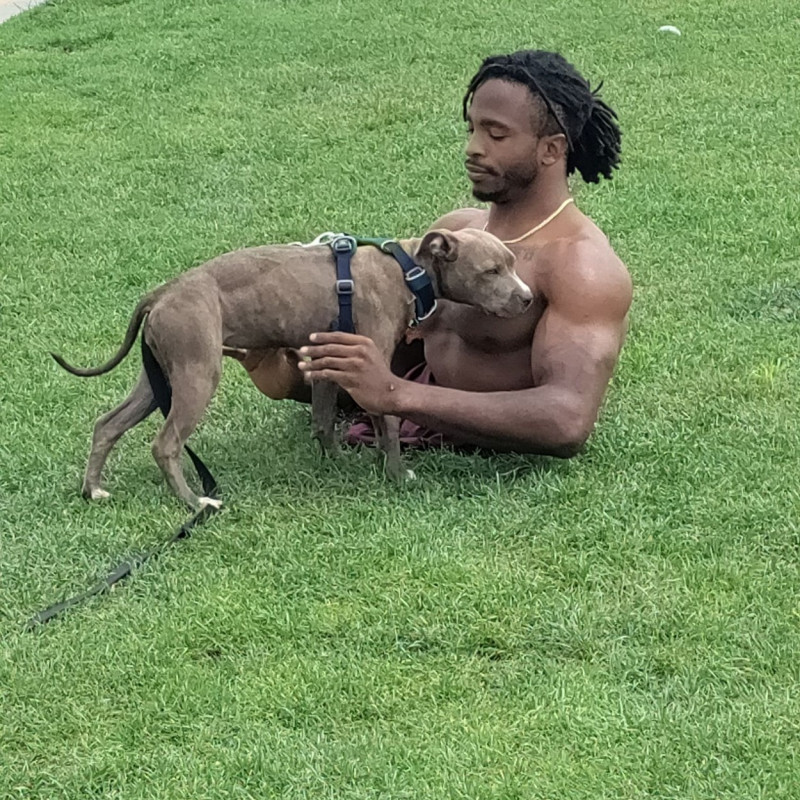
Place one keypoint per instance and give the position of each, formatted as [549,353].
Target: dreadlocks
[589,125]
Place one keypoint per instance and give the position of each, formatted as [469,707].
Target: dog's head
[474,267]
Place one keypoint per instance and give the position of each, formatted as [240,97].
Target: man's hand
[355,363]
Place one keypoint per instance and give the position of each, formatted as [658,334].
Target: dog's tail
[130,337]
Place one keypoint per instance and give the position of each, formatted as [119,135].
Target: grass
[623,625]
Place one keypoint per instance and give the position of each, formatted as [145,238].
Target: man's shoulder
[461,218]
[585,270]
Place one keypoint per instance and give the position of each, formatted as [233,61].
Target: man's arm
[573,355]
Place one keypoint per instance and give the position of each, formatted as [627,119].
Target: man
[535,383]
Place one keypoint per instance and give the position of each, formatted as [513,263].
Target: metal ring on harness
[343,243]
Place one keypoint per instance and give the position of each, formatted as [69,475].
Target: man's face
[501,149]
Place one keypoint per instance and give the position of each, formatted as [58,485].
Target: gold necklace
[538,227]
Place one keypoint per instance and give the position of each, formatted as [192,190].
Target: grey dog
[274,297]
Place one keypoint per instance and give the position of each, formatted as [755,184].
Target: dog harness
[343,246]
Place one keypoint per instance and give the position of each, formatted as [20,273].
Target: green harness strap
[374,241]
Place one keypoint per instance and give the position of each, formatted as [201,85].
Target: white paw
[99,494]
[411,475]
[210,501]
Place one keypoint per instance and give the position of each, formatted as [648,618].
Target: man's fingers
[337,337]
[330,350]
[326,362]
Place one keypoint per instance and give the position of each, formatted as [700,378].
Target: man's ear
[438,245]
[552,149]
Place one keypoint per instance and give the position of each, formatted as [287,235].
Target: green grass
[624,625]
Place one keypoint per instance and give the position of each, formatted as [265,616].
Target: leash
[123,570]
[163,396]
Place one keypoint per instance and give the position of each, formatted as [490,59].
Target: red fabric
[411,434]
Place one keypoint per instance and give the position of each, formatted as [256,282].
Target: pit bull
[275,296]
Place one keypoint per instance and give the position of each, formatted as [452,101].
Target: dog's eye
[493,271]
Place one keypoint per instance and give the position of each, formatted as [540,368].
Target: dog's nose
[525,299]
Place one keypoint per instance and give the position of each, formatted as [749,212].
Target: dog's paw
[98,494]
[411,475]
[210,501]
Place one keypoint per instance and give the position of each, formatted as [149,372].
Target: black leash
[163,395]
[120,572]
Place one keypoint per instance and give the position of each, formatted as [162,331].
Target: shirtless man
[535,383]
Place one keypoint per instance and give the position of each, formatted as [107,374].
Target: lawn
[622,625]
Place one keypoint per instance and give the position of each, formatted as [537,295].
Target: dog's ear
[438,245]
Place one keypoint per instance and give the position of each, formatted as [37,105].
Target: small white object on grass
[669,29]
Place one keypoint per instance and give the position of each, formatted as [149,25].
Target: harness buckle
[344,286]
[343,244]
[423,317]
[415,273]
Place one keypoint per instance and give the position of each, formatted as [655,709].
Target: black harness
[417,279]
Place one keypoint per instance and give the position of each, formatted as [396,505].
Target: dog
[275,296]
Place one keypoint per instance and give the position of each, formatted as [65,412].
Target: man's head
[533,110]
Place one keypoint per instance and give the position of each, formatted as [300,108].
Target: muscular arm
[573,354]
[553,418]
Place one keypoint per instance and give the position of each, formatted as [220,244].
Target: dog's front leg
[323,415]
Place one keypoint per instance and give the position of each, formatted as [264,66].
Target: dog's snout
[522,301]
[520,297]
[522,293]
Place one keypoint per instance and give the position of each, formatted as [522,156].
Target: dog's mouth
[515,306]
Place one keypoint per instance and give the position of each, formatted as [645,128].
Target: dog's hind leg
[323,415]
[138,405]
[193,385]
[387,432]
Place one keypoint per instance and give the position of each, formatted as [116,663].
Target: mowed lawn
[623,625]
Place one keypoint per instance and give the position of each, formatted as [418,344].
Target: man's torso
[471,350]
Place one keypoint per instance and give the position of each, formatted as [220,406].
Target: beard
[505,186]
